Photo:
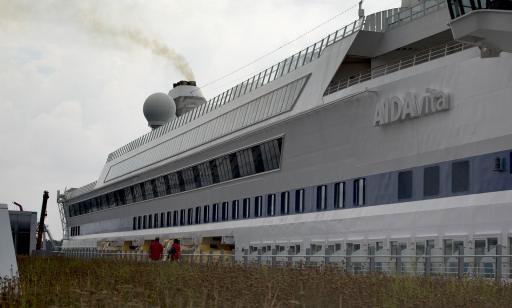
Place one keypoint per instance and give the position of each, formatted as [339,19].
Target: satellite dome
[159,109]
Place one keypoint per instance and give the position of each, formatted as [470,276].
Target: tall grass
[65,282]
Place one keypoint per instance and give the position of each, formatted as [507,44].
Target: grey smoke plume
[14,11]
[136,37]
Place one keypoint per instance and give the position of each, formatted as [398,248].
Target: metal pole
[499,262]
[460,263]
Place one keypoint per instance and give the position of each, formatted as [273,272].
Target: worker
[155,250]
[175,251]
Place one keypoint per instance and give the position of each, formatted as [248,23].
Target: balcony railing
[417,11]
[407,62]
[457,265]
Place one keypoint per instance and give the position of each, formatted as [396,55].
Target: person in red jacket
[175,251]
[155,250]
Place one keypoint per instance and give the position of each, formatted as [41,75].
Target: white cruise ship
[392,134]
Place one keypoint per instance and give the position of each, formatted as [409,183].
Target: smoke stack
[186,96]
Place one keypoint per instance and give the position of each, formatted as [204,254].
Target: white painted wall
[8,265]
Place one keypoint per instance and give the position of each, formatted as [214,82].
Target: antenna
[361,10]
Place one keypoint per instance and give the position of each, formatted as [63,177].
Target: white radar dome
[159,109]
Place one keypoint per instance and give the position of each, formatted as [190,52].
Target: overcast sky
[74,74]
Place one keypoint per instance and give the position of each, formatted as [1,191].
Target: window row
[431,180]
[249,207]
[253,160]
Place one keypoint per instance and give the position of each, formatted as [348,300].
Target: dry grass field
[67,282]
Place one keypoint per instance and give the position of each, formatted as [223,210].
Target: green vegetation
[63,282]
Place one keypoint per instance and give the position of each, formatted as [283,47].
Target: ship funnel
[187,96]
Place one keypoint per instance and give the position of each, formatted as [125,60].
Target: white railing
[407,62]
[410,14]
[495,266]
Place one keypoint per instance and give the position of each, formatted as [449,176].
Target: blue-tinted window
[321,197]
[339,195]
[431,181]
[359,194]
[460,176]
[404,185]
[258,206]
[285,203]
[271,205]
[235,209]
[299,201]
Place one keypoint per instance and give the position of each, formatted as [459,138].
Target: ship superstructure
[392,132]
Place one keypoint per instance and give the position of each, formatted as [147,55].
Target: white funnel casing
[159,109]
[187,96]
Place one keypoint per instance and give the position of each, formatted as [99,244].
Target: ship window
[246,207]
[154,188]
[197,176]
[285,203]
[198,215]
[258,160]
[339,195]
[188,179]
[460,176]
[214,171]
[160,184]
[144,222]
[321,197]
[134,224]
[258,206]
[215,212]
[168,190]
[271,155]
[190,216]
[139,223]
[205,174]
[359,191]
[182,217]
[431,181]
[225,211]
[404,185]
[127,193]
[245,162]
[142,191]
[122,196]
[299,201]
[235,208]
[150,221]
[169,219]
[181,181]
[235,169]
[224,167]
[271,205]
[206,214]
[175,218]
[175,185]
[155,220]
[162,220]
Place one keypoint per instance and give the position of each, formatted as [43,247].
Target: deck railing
[407,62]
[494,266]
[256,81]
[410,14]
